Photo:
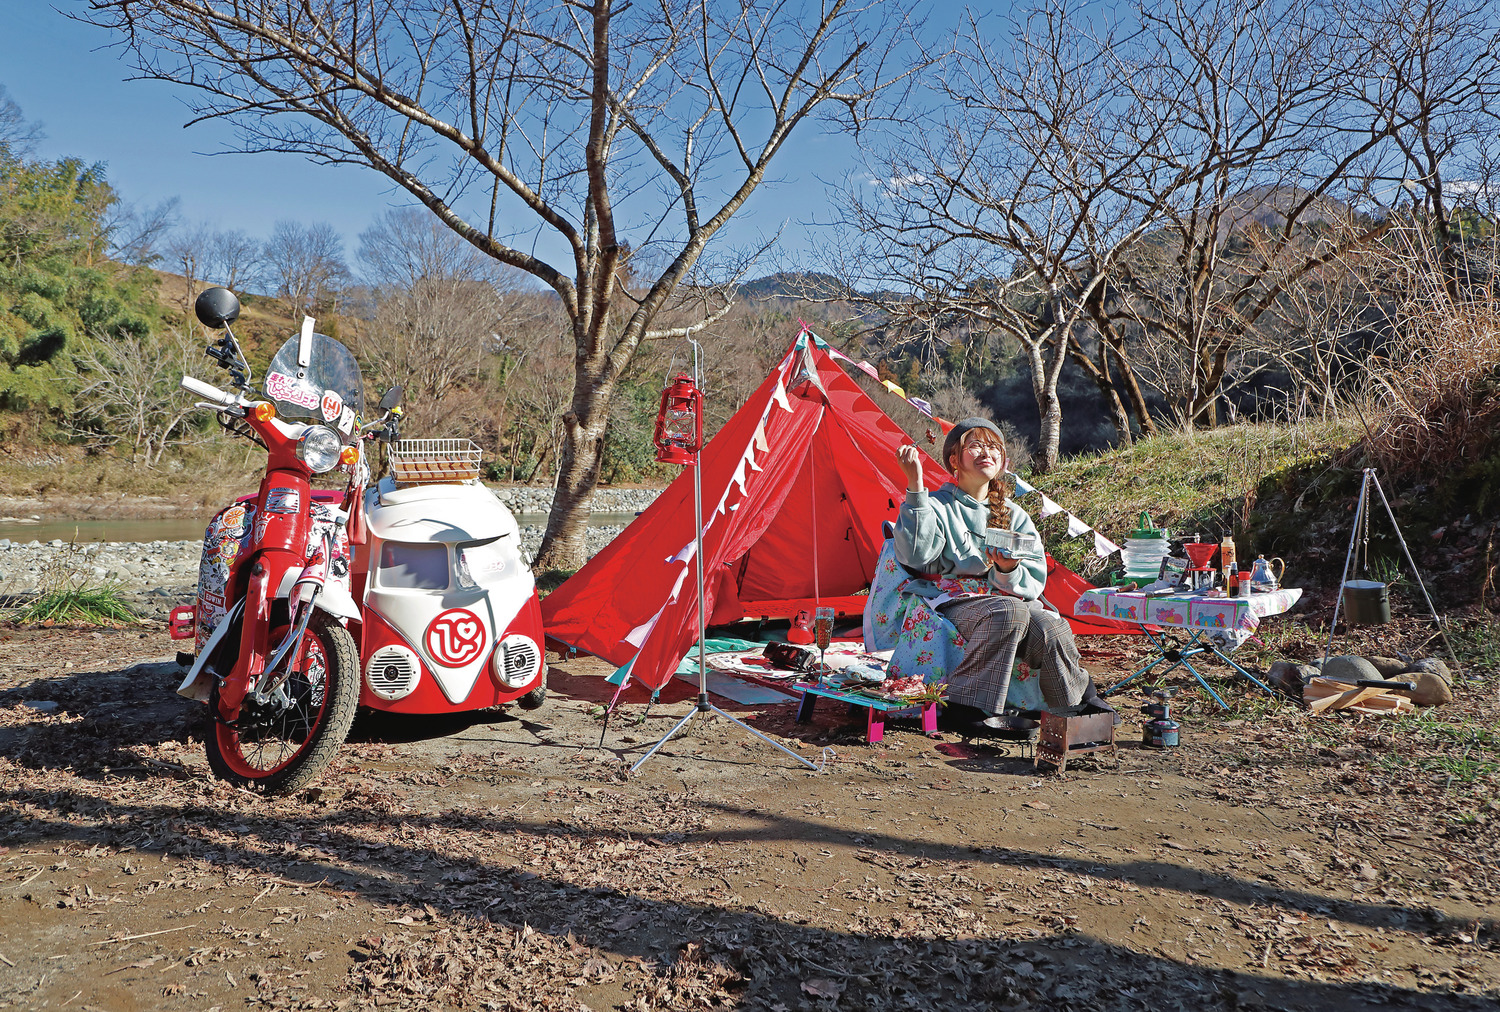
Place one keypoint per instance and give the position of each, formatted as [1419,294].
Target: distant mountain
[795,285]
[1268,207]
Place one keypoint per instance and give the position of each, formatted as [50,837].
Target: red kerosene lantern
[679,422]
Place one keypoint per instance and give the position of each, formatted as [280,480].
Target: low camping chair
[922,640]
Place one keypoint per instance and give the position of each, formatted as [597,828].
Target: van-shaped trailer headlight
[319,448]
[516,661]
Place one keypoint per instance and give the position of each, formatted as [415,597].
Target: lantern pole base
[705,707]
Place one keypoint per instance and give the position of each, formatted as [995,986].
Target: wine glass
[823,633]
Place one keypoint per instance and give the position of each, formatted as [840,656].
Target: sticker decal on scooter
[233,520]
[455,638]
[346,420]
[291,390]
[332,405]
[283,500]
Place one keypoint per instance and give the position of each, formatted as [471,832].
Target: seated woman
[995,600]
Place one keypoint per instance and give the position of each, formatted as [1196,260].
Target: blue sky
[64,75]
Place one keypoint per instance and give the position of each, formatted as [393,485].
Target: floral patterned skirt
[922,640]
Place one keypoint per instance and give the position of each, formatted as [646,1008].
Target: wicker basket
[432,461]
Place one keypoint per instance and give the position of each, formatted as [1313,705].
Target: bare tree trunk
[584,425]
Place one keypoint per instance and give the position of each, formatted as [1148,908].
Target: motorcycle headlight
[319,448]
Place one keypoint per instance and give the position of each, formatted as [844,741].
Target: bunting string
[1103,547]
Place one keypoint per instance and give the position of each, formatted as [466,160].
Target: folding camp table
[1207,621]
[876,709]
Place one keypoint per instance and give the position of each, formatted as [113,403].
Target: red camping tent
[796,486]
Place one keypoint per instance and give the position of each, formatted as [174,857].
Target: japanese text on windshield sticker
[291,390]
[283,500]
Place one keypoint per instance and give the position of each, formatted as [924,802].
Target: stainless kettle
[1262,576]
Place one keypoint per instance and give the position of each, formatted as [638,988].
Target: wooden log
[1353,697]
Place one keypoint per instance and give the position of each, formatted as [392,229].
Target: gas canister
[1161,733]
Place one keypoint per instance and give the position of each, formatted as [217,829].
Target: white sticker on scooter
[346,420]
[455,638]
[332,405]
[291,390]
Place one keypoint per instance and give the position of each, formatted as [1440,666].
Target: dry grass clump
[1440,412]
[1437,392]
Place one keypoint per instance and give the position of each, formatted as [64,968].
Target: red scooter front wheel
[284,744]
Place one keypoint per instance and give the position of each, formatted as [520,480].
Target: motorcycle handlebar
[208,390]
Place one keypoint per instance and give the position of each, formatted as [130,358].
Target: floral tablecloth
[1228,620]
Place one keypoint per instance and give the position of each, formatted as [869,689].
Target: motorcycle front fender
[334,598]
[199,682]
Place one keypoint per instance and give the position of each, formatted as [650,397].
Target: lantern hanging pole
[703,705]
[698,537]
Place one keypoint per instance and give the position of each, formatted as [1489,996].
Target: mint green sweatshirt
[943,532]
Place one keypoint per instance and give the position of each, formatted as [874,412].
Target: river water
[89,531]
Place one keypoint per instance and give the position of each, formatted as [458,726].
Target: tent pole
[703,705]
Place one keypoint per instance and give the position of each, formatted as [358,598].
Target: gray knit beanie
[962,429]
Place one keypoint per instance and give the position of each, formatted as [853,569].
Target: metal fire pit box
[1061,738]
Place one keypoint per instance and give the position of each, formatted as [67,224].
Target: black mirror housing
[216,308]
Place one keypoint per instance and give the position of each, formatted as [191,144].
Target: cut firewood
[1327,694]
[1344,699]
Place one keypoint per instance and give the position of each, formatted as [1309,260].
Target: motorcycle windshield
[328,390]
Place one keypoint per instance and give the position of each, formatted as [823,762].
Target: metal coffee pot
[1262,576]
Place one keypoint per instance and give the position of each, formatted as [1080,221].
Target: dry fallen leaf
[822,987]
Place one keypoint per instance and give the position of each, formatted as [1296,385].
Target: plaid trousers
[998,628]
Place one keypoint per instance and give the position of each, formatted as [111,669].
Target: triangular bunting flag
[1049,508]
[1103,546]
[1076,526]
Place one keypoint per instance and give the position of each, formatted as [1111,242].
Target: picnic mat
[738,670]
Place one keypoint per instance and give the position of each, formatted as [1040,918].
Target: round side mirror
[217,308]
[391,398]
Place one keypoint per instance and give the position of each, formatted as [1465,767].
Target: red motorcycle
[418,582]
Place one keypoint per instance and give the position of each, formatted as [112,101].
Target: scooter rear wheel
[277,748]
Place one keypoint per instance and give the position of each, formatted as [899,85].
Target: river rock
[1289,676]
[1389,667]
[1346,668]
[1435,666]
[1430,689]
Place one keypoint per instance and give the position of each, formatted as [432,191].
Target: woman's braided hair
[1002,487]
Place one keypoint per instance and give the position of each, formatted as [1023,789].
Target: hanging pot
[1367,602]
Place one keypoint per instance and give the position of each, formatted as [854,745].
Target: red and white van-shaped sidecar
[451,615]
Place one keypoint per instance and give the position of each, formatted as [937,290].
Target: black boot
[1094,703]
[969,721]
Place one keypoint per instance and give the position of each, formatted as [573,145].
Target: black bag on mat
[789,657]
